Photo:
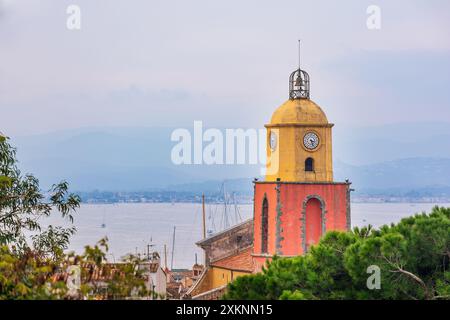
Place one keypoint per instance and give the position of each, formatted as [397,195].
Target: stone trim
[278,237]
[263,255]
[254,202]
[303,218]
[348,213]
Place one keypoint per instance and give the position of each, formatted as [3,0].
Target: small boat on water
[103,225]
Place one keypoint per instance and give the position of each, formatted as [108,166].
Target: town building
[156,277]
[227,256]
[179,281]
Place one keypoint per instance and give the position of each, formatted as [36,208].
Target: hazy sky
[168,63]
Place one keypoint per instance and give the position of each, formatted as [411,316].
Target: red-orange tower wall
[290,204]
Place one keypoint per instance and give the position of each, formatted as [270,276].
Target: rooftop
[242,261]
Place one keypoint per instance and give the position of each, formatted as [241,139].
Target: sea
[138,228]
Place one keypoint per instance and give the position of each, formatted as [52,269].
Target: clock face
[311,141]
[273,140]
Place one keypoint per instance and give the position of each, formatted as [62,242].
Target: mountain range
[381,159]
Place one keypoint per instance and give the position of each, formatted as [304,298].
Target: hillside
[392,159]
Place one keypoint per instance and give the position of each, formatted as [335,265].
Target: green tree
[103,280]
[23,206]
[36,267]
[27,276]
[27,264]
[413,258]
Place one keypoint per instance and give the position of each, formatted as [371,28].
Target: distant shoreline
[372,201]
[246,197]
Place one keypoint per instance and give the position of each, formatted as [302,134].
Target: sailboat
[227,212]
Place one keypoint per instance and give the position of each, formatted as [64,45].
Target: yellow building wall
[287,161]
[215,278]
[221,277]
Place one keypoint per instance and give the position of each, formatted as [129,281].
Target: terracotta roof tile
[242,261]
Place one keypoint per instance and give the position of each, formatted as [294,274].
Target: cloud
[216,60]
[2,8]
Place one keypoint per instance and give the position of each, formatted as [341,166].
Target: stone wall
[228,242]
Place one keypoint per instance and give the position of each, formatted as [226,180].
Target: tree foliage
[33,262]
[413,258]
[23,206]
[32,276]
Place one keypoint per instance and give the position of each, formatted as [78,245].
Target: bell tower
[299,144]
[298,202]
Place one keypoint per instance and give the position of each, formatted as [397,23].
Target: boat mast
[204,216]
[165,256]
[226,224]
[173,247]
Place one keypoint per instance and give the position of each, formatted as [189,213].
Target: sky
[167,63]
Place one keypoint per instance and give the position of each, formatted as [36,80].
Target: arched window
[264,226]
[309,164]
[313,223]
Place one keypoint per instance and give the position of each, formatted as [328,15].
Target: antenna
[299,54]
[149,246]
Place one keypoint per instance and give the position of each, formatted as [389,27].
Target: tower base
[289,217]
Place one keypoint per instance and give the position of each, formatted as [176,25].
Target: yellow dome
[299,111]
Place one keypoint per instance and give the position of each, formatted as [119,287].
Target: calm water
[131,227]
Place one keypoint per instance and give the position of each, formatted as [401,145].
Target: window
[313,223]
[309,164]
[264,226]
